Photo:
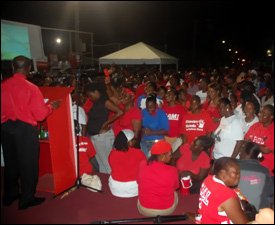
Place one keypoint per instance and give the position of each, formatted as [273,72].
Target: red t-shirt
[194,125]
[213,193]
[263,136]
[157,183]
[185,162]
[124,165]
[86,151]
[125,121]
[175,114]
[213,112]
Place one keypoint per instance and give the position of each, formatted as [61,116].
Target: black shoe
[34,202]
[9,201]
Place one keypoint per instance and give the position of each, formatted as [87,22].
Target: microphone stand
[156,220]
[78,182]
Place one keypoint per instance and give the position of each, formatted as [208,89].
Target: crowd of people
[149,129]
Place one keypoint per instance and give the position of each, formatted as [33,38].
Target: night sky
[187,30]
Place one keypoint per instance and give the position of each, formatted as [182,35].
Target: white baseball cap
[129,134]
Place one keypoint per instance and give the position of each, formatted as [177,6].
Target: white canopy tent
[138,54]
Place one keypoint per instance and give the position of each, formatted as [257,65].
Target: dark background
[189,30]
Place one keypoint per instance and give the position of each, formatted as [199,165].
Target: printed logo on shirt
[82,146]
[201,123]
[82,149]
[258,140]
[204,194]
[253,180]
[173,116]
[194,125]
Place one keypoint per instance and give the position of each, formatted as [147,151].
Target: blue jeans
[146,147]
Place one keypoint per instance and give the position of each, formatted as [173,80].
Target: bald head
[265,216]
[21,64]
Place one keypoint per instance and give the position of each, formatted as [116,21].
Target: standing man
[22,105]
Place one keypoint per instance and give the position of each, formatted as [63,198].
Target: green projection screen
[21,39]
[14,41]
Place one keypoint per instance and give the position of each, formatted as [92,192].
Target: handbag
[92,181]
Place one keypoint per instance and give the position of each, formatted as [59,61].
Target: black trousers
[20,145]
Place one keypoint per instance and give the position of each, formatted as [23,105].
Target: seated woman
[218,202]
[262,133]
[157,182]
[124,161]
[194,161]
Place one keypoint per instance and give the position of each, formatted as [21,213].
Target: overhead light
[229,49]
[223,42]
[243,60]
[58,40]
[236,52]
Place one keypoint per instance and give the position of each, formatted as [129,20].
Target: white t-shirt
[82,120]
[229,132]
[247,125]
[202,95]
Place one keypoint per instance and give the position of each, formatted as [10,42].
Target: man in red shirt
[22,105]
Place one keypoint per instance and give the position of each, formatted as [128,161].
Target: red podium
[57,163]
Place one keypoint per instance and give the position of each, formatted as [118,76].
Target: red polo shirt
[157,183]
[22,100]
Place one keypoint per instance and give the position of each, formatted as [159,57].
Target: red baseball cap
[160,147]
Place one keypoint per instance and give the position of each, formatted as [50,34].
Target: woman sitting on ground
[218,202]
[124,161]
[194,161]
[157,182]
